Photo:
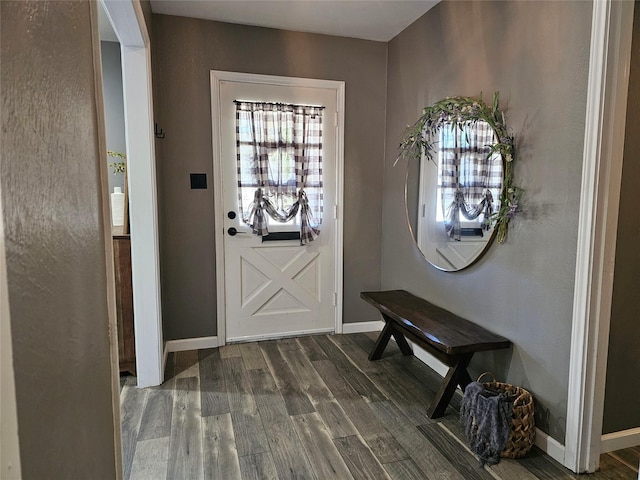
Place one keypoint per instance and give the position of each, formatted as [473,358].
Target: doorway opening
[127,20]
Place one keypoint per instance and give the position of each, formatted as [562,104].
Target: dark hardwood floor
[311,407]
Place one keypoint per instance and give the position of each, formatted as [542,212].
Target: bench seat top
[440,328]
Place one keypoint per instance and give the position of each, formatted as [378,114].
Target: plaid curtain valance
[470,174]
[279,159]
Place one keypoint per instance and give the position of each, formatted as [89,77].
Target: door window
[279,160]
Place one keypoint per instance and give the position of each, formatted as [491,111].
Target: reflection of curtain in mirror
[279,156]
[470,177]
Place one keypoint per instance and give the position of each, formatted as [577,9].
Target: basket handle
[520,399]
[486,373]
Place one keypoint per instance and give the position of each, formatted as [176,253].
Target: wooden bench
[449,338]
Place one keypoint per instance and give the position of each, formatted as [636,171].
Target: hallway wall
[536,55]
[184,52]
[113,107]
[55,245]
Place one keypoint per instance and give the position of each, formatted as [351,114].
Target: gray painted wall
[184,51]
[536,55]
[621,410]
[113,107]
[56,266]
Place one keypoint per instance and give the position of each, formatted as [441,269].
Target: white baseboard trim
[547,444]
[362,327]
[183,344]
[620,440]
[428,359]
[197,343]
[550,446]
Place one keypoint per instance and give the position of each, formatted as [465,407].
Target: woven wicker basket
[522,431]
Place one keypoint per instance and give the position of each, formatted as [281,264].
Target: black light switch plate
[198,180]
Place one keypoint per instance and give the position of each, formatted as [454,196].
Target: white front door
[275,288]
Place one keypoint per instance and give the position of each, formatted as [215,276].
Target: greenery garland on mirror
[418,140]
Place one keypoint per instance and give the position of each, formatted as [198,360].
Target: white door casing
[611,34]
[272,289]
[127,20]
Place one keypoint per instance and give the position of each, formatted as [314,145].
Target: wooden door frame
[218,76]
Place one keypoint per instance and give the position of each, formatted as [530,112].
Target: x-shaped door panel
[279,280]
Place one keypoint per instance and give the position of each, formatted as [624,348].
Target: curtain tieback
[488,210]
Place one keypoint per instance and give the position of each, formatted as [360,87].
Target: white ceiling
[368,19]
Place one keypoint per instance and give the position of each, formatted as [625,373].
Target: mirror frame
[414,231]
[418,141]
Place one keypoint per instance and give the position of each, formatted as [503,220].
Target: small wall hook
[158,134]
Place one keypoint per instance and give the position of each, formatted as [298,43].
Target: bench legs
[385,336]
[457,375]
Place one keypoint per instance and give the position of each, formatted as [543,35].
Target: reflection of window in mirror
[454,192]
[469,179]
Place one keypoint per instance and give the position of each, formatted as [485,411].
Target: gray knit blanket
[486,416]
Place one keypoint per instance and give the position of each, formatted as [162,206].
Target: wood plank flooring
[310,408]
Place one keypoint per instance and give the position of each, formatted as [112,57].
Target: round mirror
[458,189]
